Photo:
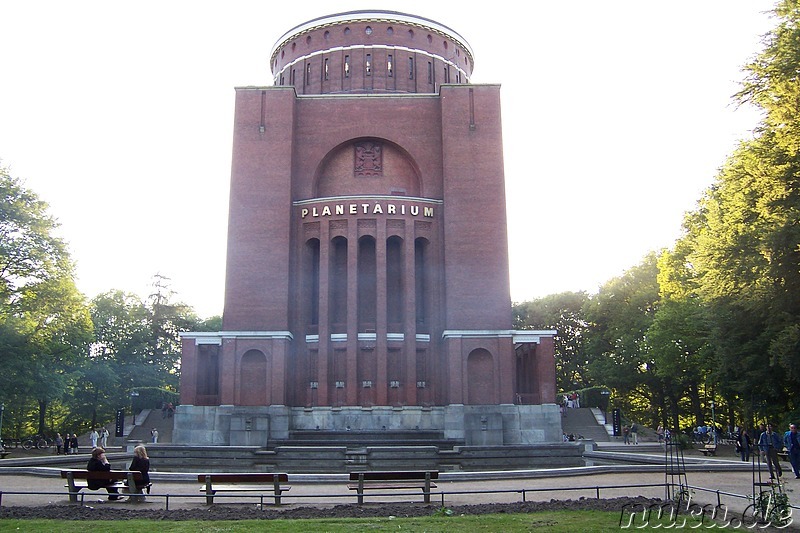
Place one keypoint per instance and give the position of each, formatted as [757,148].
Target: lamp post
[2,409]
[713,423]
[134,394]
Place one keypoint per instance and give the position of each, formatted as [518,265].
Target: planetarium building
[367,284]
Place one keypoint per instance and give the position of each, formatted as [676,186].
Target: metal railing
[442,496]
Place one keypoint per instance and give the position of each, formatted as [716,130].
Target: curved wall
[371,52]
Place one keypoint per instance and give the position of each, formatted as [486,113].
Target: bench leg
[209,492]
[73,492]
[427,490]
[277,490]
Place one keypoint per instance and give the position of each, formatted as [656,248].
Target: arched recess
[422,284]
[395,292]
[254,379]
[480,377]
[367,166]
[367,284]
[310,285]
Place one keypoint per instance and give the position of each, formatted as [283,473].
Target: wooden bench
[124,480]
[3,454]
[709,449]
[246,482]
[361,481]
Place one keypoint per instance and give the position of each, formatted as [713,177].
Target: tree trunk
[697,408]
[42,411]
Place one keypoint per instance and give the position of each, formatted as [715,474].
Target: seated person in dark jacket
[99,463]
[141,463]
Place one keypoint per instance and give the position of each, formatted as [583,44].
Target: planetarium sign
[363,206]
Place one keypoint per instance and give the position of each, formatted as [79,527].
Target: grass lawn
[549,521]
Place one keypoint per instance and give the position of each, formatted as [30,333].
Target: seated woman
[141,463]
[99,463]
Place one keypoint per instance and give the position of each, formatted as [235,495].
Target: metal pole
[2,409]
[713,423]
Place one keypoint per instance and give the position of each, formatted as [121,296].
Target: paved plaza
[177,491]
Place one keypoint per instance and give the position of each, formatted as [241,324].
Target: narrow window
[430,72]
[291,77]
[446,74]
[346,66]
[281,78]
[368,65]
[308,74]
[389,65]
[326,68]
[411,68]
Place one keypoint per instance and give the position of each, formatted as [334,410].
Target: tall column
[324,327]
[410,318]
[351,382]
[381,320]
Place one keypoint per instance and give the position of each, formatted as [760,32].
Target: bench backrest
[393,476]
[113,474]
[243,478]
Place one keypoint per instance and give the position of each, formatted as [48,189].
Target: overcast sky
[616,117]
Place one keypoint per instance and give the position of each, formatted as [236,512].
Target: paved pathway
[451,491]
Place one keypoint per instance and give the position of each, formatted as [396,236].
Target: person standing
[99,463]
[93,436]
[792,444]
[103,437]
[635,433]
[768,445]
[626,434]
[154,434]
[59,443]
[660,433]
[744,443]
[141,463]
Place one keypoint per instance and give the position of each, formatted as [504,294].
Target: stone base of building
[470,425]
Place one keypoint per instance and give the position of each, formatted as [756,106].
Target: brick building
[367,270]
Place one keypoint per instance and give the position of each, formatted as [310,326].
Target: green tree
[564,313]
[44,322]
[745,236]
[620,316]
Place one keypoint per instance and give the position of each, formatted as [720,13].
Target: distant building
[367,273]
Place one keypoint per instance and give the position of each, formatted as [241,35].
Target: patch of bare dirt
[252,512]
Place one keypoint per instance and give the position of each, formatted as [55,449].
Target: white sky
[120,115]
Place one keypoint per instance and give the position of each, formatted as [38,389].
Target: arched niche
[480,377]
[254,379]
[367,166]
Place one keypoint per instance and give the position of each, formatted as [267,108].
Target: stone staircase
[148,419]
[585,422]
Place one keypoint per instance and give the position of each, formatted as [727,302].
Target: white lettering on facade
[376,208]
